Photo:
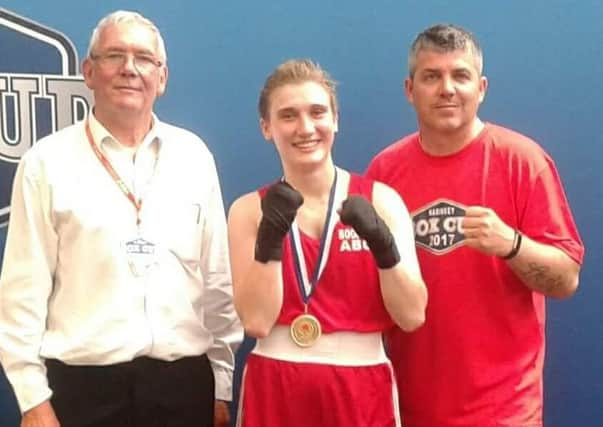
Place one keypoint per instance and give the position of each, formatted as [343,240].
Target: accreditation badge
[140,255]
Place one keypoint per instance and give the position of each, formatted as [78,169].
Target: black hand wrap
[279,207]
[361,215]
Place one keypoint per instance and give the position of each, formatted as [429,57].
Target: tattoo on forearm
[541,278]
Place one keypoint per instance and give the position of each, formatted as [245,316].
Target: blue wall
[544,61]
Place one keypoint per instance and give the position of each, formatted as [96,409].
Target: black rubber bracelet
[516,246]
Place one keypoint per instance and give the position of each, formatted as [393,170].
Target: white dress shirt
[67,288]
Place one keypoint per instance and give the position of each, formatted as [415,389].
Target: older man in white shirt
[115,295]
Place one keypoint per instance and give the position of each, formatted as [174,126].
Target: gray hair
[120,16]
[445,38]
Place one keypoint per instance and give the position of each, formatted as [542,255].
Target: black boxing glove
[357,212]
[279,207]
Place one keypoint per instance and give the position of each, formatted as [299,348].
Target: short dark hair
[445,38]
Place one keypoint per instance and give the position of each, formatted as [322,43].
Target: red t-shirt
[478,359]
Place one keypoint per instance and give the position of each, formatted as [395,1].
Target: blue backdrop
[544,61]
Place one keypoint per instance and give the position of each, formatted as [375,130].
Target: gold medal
[305,330]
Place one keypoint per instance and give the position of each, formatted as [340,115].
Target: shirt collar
[102,135]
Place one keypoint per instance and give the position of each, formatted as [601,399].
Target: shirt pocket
[182,226]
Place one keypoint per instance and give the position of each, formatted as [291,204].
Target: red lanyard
[107,165]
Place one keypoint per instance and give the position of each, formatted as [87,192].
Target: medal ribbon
[137,203]
[307,286]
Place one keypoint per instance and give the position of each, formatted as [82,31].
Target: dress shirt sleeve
[26,284]
[220,316]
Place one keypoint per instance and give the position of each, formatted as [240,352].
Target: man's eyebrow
[430,70]
[286,110]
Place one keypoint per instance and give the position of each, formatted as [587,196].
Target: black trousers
[142,393]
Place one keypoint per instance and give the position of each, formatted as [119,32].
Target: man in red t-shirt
[494,234]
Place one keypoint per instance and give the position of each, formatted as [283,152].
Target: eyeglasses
[144,64]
